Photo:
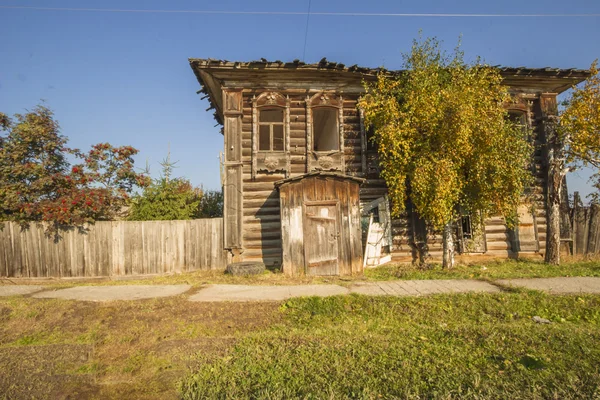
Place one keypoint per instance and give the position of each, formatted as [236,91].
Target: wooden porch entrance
[320,224]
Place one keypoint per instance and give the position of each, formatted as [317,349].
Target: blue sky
[124,78]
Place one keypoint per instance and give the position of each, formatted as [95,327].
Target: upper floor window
[326,129]
[270,134]
[271,129]
[519,118]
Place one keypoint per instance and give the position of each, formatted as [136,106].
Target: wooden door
[321,238]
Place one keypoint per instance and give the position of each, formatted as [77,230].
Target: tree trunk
[448,247]
[555,149]
[553,223]
[554,153]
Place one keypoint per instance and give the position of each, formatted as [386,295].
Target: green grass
[488,271]
[447,346]
[485,270]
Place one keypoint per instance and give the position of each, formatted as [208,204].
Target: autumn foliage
[39,183]
[444,140]
[441,127]
[579,126]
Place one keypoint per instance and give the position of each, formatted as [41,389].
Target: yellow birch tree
[444,140]
[573,141]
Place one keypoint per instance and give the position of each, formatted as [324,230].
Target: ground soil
[58,349]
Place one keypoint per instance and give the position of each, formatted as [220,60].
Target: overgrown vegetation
[573,137]
[444,139]
[460,346]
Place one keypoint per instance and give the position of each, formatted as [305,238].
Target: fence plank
[113,248]
[594,230]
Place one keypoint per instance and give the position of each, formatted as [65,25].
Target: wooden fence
[113,248]
[585,229]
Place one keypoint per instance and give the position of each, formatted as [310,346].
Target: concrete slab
[420,288]
[368,289]
[264,293]
[18,290]
[411,287]
[110,293]
[557,285]
[465,286]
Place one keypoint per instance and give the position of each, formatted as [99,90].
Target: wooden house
[301,182]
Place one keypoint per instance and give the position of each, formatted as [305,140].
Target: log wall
[115,248]
[261,231]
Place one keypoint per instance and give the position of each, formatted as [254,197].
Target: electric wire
[332,14]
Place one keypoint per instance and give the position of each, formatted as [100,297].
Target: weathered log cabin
[301,182]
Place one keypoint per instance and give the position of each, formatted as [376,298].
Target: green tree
[573,141]
[38,183]
[166,198]
[211,204]
[444,140]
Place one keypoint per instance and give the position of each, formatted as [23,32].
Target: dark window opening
[467,231]
[325,129]
[375,212]
[371,145]
[270,130]
[519,119]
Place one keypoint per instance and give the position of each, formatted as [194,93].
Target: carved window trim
[271,100]
[324,99]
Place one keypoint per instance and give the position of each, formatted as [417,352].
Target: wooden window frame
[324,99]
[271,125]
[335,112]
[522,104]
[468,240]
[526,125]
[271,161]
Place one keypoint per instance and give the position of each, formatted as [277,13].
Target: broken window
[325,129]
[270,129]
[371,144]
[467,231]
[471,238]
[519,118]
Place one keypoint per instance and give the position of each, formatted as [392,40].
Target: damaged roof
[556,80]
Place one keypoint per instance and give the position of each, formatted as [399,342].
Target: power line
[306,31]
[332,14]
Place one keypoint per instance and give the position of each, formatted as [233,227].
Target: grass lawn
[505,269]
[445,346]
[461,346]
[485,271]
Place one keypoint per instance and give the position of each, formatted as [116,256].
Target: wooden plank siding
[261,231]
[300,88]
[114,248]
